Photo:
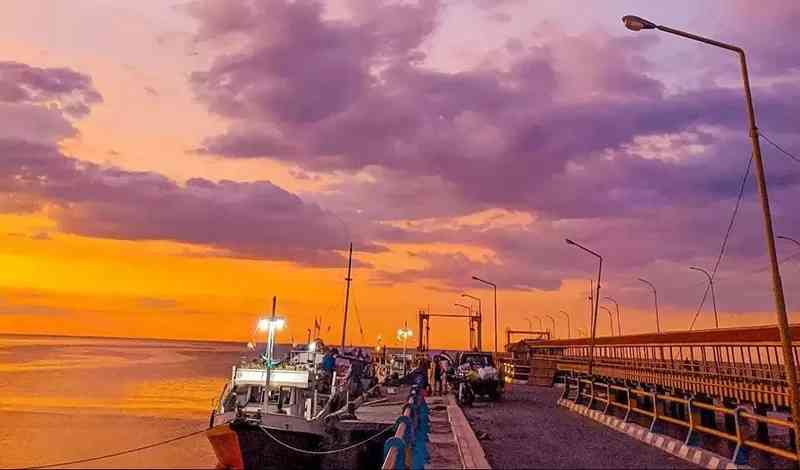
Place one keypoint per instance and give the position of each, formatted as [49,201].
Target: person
[419,376]
[328,365]
[437,375]
[442,365]
[354,377]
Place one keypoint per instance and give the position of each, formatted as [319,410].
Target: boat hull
[244,446]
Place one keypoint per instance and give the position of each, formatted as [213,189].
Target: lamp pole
[596,299]
[469,318]
[635,24]
[480,318]
[530,324]
[539,319]
[553,320]
[610,318]
[494,286]
[655,298]
[569,329]
[619,322]
[713,295]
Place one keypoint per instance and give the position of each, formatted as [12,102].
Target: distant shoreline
[172,340]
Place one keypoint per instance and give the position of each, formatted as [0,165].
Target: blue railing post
[400,445]
[416,420]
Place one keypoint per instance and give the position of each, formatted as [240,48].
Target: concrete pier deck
[527,429]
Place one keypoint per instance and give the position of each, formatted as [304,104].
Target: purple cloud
[71,91]
[255,220]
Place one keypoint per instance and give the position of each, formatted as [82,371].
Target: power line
[122,452]
[781,149]
[725,239]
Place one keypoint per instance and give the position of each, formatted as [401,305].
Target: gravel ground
[526,429]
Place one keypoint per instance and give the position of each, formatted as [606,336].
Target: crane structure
[474,322]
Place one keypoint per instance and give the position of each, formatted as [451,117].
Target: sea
[71,398]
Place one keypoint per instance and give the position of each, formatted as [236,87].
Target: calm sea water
[69,398]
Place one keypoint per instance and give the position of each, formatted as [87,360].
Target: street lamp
[480,318]
[402,335]
[619,322]
[539,319]
[597,299]
[635,23]
[610,318]
[530,324]
[655,297]
[569,329]
[469,318]
[554,325]
[713,296]
[494,286]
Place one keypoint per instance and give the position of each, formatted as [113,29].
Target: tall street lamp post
[619,322]
[610,318]
[569,329]
[539,319]
[655,299]
[553,320]
[596,299]
[480,318]
[635,23]
[494,286]
[469,317]
[530,324]
[713,295]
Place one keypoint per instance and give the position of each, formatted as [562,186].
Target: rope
[780,149]
[725,239]
[325,452]
[122,452]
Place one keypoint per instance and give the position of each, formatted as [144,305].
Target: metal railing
[408,448]
[601,392]
[741,371]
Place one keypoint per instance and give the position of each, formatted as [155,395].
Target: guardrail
[740,371]
[408,447]
[515,372]
[601,392]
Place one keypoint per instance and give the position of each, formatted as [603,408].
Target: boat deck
[377,416]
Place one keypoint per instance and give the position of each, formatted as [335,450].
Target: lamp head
[635,23]
[569,242]
[476,278]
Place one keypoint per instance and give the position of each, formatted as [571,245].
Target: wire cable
[325,452]
[725,239]
[781,149]
[122,452]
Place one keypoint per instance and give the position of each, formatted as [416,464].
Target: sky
[170,166]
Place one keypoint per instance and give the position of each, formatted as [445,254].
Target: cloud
[255,220]
[576,130]
[71,92]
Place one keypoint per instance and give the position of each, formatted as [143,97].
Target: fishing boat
[291,414]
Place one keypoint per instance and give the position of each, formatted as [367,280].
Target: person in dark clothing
[418,376]
[437,376]
[355,376]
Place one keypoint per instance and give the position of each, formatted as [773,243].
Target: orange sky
[59,283]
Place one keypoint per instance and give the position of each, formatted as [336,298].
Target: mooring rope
[122,452]
[325,452]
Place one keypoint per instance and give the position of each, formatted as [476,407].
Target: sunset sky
[169,166]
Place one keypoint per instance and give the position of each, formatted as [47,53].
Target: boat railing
[410,436]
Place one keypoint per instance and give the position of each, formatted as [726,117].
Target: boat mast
[347,294]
